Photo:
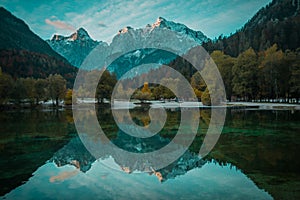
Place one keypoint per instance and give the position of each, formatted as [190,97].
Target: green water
[256,157]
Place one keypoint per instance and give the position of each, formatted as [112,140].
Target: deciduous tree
[57,87]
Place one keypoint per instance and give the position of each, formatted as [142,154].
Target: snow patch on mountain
[75,47]
[78,45]
[180,28]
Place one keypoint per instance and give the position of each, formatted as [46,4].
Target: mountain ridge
[69,46]
[16,34]
[161,22]
[278,22]
[74,47]
[25,54]
[79,34]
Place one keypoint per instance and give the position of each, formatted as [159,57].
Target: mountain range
[23,53]
[278,22]
[78,45]
[75,153]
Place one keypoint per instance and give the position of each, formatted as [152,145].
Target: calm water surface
[256,157]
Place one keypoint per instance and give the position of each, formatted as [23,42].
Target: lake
[256,157]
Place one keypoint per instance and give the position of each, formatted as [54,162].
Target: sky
[103,19]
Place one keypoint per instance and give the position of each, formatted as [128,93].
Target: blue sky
[103,19]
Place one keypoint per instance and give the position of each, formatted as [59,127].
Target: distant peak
[80,34]
[180,28]
[82,31]
[161,19]
[125,30]
[158,22]
[57,37]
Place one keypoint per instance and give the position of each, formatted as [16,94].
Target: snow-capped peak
[125,30]
[180,28]
[158,22]
[74,47]
[80,34]
[57,37]
[162,23]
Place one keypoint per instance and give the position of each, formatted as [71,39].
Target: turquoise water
[256,157]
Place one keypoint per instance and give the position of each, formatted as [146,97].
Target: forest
[272,75]
[32,92]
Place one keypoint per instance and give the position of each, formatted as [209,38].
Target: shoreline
[156,104]
[265,106]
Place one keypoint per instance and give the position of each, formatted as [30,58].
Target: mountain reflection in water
[255,158]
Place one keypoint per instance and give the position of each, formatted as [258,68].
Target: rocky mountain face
[75,47]
[162,23]
[198,36]
[278,22]
[24,54]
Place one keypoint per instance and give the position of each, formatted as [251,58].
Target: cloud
[60,24]
[103,19]
[102,25]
